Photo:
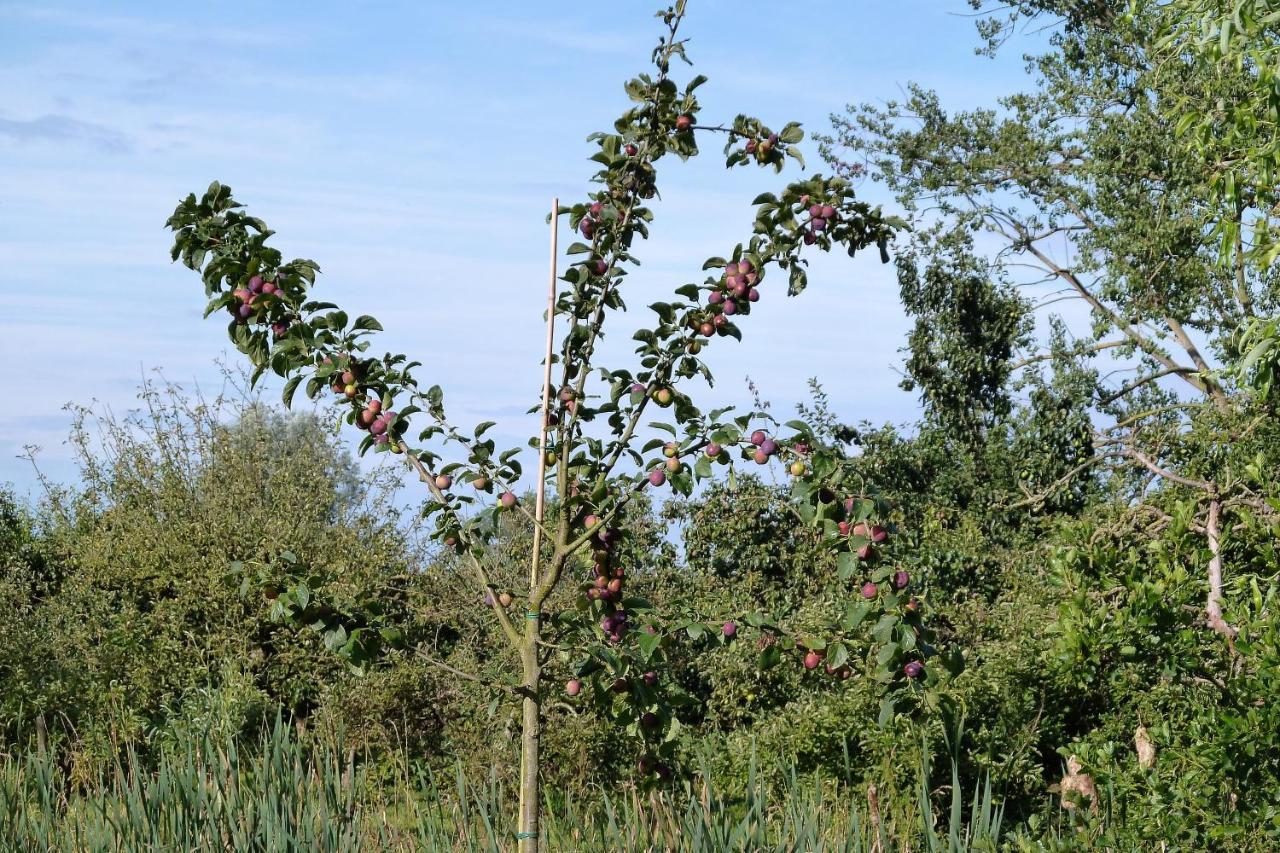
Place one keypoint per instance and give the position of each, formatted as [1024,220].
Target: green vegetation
[227,634]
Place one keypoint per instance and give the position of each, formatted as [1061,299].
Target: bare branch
[1140,381]
[1213,606]
[1148,463]
[1146,344]
[419,653]
[1047,356]
[1206,372]
[1037,499]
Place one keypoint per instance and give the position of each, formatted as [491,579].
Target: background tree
[1230,127]
[1086,194]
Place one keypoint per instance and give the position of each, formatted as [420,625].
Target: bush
[143,630]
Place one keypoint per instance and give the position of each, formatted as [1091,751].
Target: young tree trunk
[530,790]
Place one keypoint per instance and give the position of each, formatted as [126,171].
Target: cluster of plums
[899,582]
[380,422]
[733,295]
[614,625]
[607,575]
[598,267]
[671,450]
[591,222]
[647,765]
[620,684]
[650,722]
[504,598]
[371,416]
[374,419]
[661,395]
[569,400]
[813,658]
[761,148]
[258,295]
[873,533]
[821,217]
[765,449]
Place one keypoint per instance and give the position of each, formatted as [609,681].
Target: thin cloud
[566,37]
[61,128]
[133,27]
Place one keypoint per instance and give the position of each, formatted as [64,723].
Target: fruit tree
[607,434]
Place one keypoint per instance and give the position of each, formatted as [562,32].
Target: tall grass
[282,795]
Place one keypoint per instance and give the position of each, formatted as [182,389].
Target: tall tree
[1081,191]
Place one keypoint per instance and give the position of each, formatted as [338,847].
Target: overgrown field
[276,794]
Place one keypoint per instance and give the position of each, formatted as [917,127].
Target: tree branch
[1215,390]
[1213,605]
[1140,381]
[1040,498]
[1148,463]
[1048,356]
[498,610]
[1146,344]
[419,653]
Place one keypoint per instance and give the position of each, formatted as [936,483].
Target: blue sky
[412,148]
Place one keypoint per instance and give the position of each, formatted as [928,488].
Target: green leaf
[847,562]
[884,628]
[854,614]
[367,323]
[665,311]
[702,468]
[289,388]
[648,643]
[673,730]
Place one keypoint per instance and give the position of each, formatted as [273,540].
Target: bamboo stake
[539,506]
